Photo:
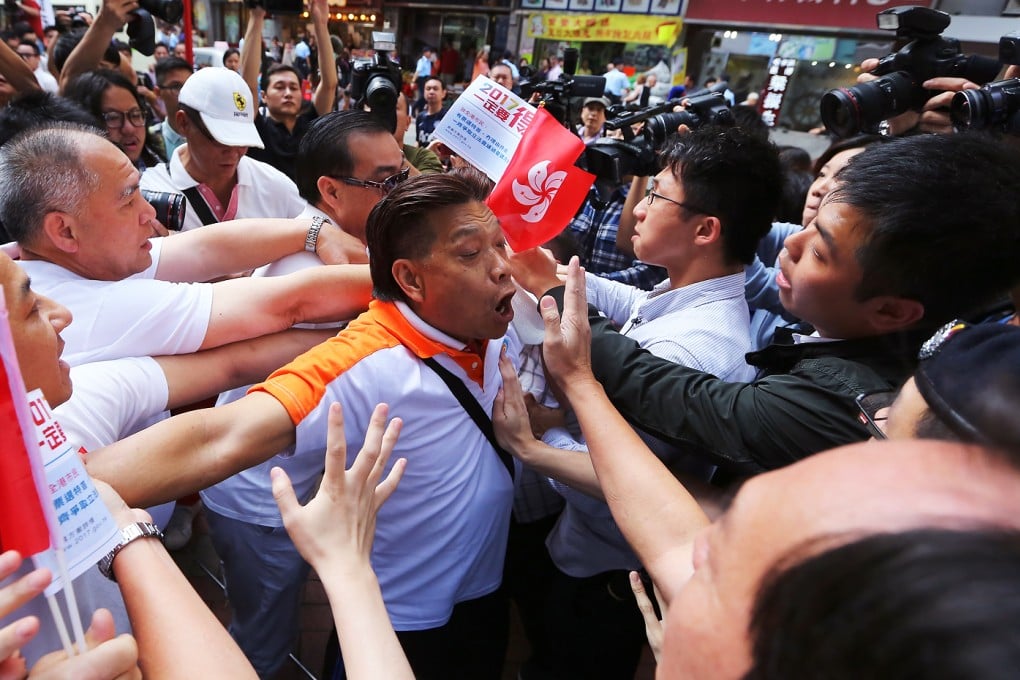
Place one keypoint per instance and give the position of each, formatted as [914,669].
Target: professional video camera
[849,110]
[141,29]
[556,94]
[996,105]
[375,81]
[636,153]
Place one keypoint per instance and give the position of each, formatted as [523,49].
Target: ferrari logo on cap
[239,101]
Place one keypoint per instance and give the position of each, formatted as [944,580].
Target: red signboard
[829,13]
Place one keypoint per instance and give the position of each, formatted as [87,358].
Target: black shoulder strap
[474,409]
[198,203]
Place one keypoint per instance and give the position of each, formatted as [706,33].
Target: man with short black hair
[425,125]
[171,73]
[286,117]
[868,275]
[29,51]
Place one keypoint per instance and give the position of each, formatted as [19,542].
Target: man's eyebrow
[826,235]
[128,191]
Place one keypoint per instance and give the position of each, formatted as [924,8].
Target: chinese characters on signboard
[780,71]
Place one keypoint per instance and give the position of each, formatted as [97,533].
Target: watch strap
[312,237]
[131,532]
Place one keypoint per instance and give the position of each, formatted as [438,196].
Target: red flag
[23,525]
[541,189]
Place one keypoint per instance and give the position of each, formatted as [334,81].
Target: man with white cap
[216,116]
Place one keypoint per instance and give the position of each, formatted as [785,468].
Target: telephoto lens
[170,208]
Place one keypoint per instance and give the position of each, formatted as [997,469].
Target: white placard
[84,525]
[485,125]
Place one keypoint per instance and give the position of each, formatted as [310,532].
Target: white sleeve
[612,298]
[111,400]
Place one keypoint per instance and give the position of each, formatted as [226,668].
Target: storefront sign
[649,30]
[835,13]
[670,7]
[780,71]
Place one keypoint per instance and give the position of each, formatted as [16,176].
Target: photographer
[92,50]
[286,118]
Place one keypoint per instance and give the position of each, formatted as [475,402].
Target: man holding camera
[286,118]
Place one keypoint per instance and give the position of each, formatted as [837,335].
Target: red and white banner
[827,13]
[541,189]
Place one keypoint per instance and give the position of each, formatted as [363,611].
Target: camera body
[851,110]
[141,29]
[557,94]
[996,106]
[637,153]
[376,81]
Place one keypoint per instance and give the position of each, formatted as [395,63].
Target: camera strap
[474,409]
[198,203]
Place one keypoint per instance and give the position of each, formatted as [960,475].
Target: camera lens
[849,110]
[170,207]
[991,106]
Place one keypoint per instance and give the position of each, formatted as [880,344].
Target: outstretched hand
[12,596]
[567,346]
[335,529]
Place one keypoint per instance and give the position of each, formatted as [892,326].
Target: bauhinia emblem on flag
[541,189]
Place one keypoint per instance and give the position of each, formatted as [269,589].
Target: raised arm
[325,93]
[178,636]
[334,532]
[89,52]
[251,52]
[250,307]
[193,377]
[625,230]
[656,514]
[16,70]
[189,452]
[239,245]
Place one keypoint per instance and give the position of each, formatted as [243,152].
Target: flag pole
[72,600]
[58,620]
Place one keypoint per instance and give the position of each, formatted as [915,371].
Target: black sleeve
[742,427]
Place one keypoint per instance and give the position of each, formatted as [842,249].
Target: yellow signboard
[650,30]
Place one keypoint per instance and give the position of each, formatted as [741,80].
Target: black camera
[556,94]
[848,111]
[637,153]
[141,29]
[376,81]
[170,208]
[996,105]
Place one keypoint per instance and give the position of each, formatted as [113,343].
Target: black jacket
[802,403]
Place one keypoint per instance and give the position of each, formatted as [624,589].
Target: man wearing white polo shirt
[216,116]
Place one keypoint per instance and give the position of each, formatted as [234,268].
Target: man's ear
[888,313]
[327,187]
[61,230]
[709,230]
[405,273]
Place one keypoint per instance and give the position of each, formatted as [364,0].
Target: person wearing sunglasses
[115,103]
[216,115]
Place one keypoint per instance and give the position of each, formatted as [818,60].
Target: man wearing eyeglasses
[170,75]
[697,317]
[29,51]
[346,163]
[216,115]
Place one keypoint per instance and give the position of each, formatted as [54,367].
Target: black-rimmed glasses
[385,186]
[115,119]
[652,195]
[873,407]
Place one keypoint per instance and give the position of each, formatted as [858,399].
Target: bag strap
[474,409]
[198,203]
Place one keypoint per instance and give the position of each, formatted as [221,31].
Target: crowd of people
[680,457]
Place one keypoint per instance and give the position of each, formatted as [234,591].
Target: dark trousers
[471,645]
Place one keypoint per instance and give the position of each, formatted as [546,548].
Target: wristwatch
[128,534]
[312,238]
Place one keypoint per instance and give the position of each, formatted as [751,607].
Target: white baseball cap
[224,102]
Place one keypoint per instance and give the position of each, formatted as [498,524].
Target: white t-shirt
[137,316]
[262,190]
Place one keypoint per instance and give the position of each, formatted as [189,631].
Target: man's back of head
[941,215]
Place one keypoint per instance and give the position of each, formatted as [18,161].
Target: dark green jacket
[802,403]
